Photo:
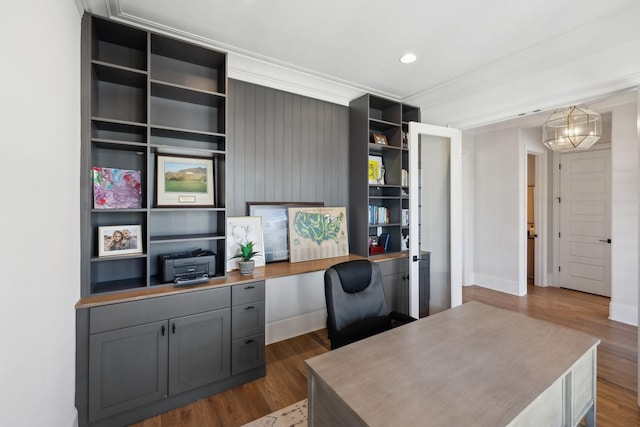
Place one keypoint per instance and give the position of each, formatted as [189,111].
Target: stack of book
[378,215]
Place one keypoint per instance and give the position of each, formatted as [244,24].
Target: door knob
[605,240]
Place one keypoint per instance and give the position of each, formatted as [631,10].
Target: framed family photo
[184,181]
[116,240]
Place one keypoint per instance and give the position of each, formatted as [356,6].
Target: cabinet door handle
[250,307]
[249,341]
[173,328]
[162,330]
[250,287]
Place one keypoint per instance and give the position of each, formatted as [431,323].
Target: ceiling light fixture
[574,128]
[408,58]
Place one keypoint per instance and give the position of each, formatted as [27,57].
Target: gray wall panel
[284,148]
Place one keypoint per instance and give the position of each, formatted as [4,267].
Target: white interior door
[435,219]
[585,222]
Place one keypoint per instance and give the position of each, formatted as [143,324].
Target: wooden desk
[473,365]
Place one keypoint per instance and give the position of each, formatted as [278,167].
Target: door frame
[539,218]
[455,211]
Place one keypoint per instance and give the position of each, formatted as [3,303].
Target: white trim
[585,94]
[255,68]
[497,283]
[264,73]
[455,211]
[624,313]
[294,326]
[540,213]
[522,214]
[75,422]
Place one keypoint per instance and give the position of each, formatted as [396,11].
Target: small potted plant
[246,263]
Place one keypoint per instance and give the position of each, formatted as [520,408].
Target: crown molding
[497,92]
[259,69]
[548,102]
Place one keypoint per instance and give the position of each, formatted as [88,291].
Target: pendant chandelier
[574,128]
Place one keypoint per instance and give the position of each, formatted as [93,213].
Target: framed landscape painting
[184,181]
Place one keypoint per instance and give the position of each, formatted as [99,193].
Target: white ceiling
[478,62]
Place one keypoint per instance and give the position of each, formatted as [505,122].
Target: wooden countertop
[270,271]
[470,365]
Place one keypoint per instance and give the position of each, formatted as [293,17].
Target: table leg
[590,417]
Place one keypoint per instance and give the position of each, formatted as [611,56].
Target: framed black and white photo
[116,240]
[275,223]
[240,231]
[184,181]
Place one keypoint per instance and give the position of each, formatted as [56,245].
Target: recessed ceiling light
[408,58]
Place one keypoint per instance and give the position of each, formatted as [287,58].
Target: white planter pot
[246,267]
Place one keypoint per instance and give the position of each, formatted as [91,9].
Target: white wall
[294,305]
[497,210]
[467,209]
[498,168]
[40,104]
[624,215]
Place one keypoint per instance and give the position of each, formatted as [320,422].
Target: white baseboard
[294,326]
[623,313]
[497,283]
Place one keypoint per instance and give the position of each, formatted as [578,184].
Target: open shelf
[183,64]
[117,44]
[166,136]
[371,114]
[146,94]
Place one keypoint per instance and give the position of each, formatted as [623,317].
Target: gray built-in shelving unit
[144,94]
[371,114]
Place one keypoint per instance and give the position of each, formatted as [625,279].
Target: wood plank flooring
[286,380]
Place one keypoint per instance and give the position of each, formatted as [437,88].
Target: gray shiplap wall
[283,147]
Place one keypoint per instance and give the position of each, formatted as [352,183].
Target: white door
[435,218]
[585,222]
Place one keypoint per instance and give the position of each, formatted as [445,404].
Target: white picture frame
[242,230]
[375,170]
[113,240]
[171,191]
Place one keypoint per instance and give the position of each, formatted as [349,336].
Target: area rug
[292,415]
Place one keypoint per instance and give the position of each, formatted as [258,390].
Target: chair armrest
[401,317]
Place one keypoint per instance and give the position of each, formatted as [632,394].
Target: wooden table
[473,365]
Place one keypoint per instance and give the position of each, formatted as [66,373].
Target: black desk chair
[356,307]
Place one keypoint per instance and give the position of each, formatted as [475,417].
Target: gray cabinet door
[247,353]
[247,320]
[425,284]
[395,283]
[199,350]
[127,368]
[396,292]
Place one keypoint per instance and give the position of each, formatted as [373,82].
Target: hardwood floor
[286,381]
